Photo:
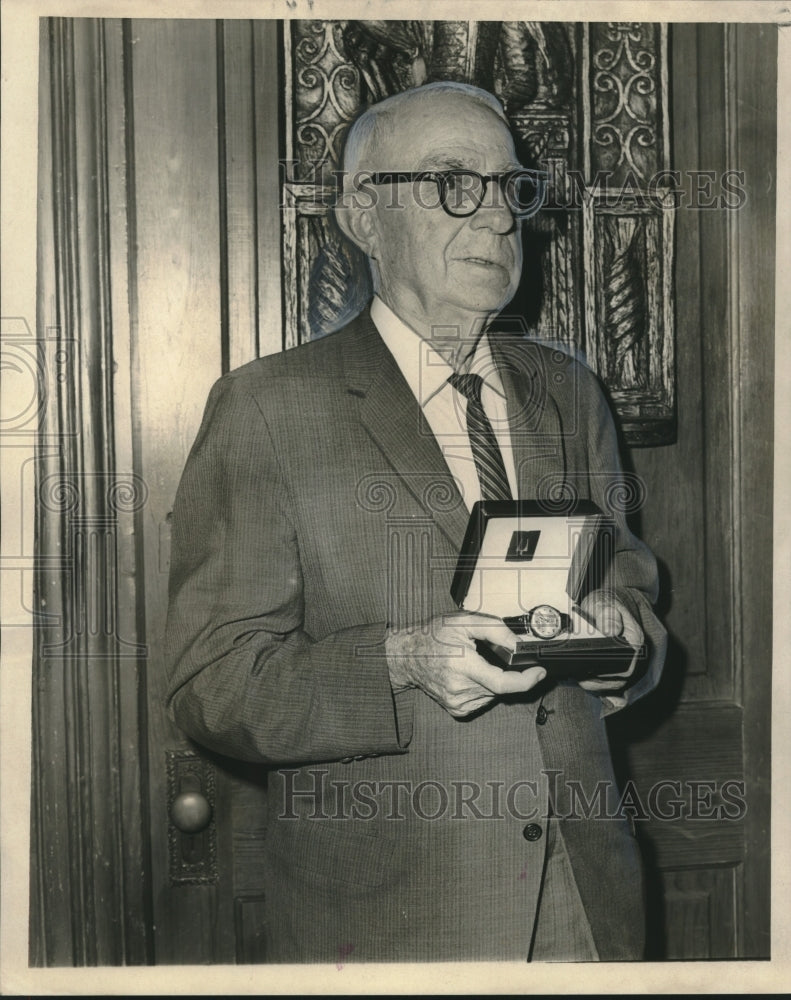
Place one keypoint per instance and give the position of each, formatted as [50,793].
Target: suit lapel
[533,417]
[395,422]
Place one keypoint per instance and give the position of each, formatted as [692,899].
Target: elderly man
[418,795]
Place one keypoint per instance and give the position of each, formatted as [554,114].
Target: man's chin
[486,304]
[490,285]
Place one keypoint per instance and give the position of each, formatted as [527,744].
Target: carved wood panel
[628,223]
[699,913]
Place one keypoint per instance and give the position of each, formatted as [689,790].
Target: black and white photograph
[393,539]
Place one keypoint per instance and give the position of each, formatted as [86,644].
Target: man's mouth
[485,261]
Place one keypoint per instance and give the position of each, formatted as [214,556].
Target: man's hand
[611,618]
[442,661]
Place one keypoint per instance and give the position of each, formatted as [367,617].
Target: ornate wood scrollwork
[628,225]
[624,92]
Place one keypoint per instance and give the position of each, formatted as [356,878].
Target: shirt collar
[423,367]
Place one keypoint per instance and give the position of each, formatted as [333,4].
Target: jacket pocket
[323,853]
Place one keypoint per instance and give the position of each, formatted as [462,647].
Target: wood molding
[249,172]
[751,89]
[235,118]
[267,83]
[88,900]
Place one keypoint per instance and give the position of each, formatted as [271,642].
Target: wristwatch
[543,621]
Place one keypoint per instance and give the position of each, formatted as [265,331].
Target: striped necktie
[485,450]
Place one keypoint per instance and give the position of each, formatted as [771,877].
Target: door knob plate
[192,832]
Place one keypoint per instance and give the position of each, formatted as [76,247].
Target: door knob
[190,812]
[191,828]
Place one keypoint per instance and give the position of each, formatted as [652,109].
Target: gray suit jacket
[315,509]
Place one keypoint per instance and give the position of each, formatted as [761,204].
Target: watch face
[545,621]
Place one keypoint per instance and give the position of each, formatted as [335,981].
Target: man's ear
[357,223]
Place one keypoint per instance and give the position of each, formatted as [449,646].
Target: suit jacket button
[346,760]
[532,832]
[541,715]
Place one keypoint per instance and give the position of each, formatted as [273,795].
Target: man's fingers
[487,627]
[605,612]
[514,681]
[632,630]
[609,620]
[508,682]
[597,684]
[500,681]
[464,684]
[459,709]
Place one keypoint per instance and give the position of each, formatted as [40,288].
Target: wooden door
[204,110]
[162,269]
[159,270]
[708,516]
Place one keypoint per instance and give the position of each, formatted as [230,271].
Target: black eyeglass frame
[440,178]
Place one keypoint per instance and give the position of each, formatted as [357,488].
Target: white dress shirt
[426,373]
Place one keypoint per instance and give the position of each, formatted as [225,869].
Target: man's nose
[494,212]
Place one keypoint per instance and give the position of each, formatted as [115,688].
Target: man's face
[446,268]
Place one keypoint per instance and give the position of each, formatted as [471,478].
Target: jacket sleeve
[631,575]
[245,677]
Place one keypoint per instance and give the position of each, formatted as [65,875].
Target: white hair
[367,131]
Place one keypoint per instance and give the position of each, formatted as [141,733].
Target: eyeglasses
[461,192]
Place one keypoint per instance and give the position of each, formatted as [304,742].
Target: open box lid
[517,554]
